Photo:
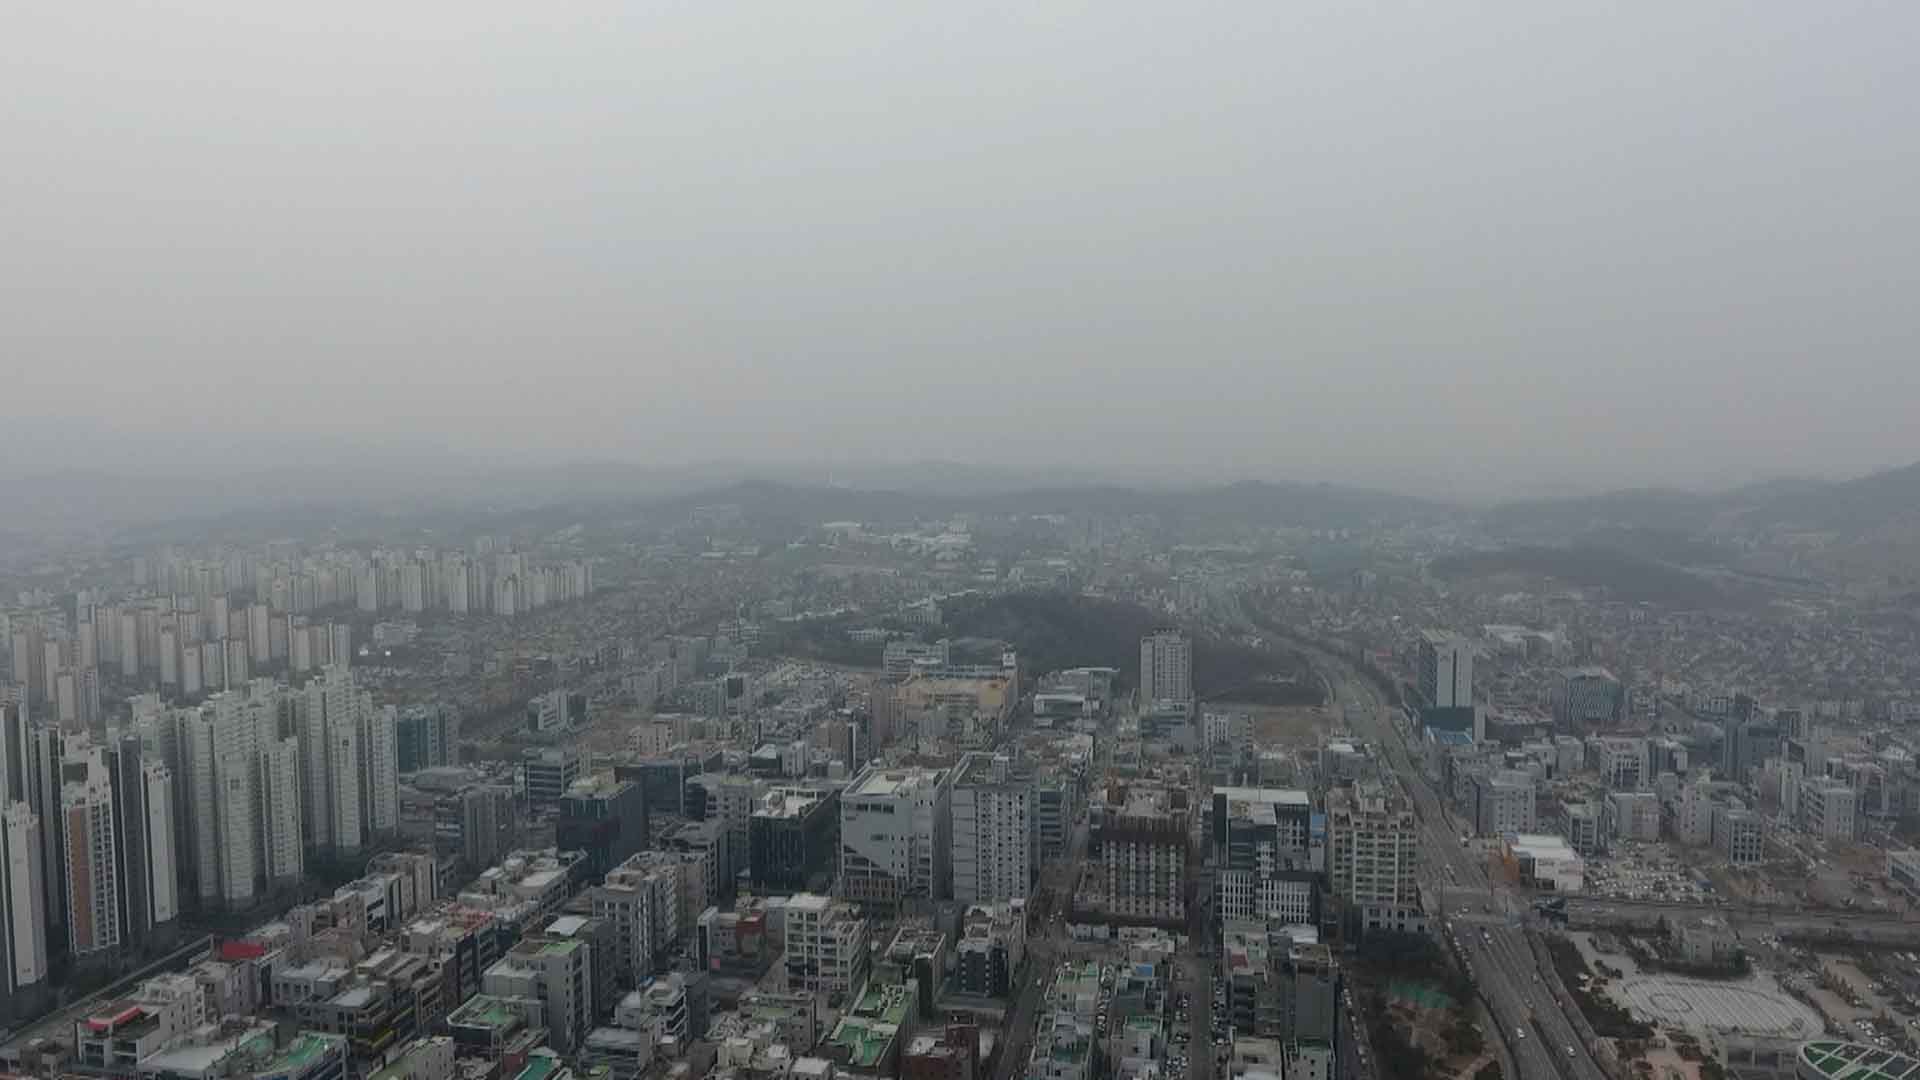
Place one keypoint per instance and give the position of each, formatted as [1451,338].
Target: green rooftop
[887,1004]
[1858,1061]
[304,1050]
[865,1041]
[558,948]
[484,1011]
[539,1067]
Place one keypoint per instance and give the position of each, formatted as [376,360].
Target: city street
[1539,1039]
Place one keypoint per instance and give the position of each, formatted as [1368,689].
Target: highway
[1538,1037]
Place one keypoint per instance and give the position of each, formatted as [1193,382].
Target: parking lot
[1646,871]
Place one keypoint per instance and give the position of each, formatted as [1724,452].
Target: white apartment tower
[1166,666]
[379,768]
[1372,857]
[992,832]
[23,910]
[350,783]
[221,759]
[160,862]
[282,847]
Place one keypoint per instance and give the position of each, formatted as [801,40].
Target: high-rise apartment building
[1137,848]
[895,836]
[1372,857]
[24,961]
[349,760]
[1445,670]
[993,840]
[1166,666]
[90,846]
[145,865]
[282,847]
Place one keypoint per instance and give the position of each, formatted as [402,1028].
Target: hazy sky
[1477,245]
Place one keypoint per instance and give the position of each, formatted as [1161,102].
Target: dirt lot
[1283,726]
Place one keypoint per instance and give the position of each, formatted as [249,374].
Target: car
[1569,1051]
[1520,1033]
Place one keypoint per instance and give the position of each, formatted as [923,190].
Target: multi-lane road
[1539,1039]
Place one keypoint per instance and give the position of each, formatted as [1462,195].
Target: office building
[728,799]
[1445,670]
[487,823]
[793,839]
[1587,698]
[427,737]
[1372,858]
[1739,834]
[1632,815]
[1166,666]
[1827,810]
[826,943]
[1750,738]
[895,837]
[1268,855]
[1503,803]
[548,772]
[605,818]
[1621,762]
[992,831]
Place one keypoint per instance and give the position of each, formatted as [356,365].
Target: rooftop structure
[1826,1060]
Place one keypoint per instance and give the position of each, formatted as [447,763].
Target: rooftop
[887,783]
[1273,796]
[484,1010]
[865,1041]
[539,1067]
[1858,1061]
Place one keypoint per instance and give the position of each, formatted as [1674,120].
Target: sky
[1459,248]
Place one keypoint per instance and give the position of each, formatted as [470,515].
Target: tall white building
[160,862]
[345,799]
[282,846]
[23,909]
[1166,666]
[895,836]
[220,758]
[992,832]
[348,751]
[1373,847]
[379,768]
[1445,670]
